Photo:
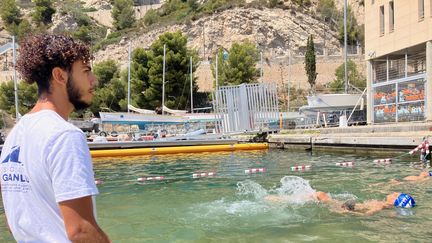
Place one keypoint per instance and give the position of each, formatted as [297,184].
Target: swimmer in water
[423,176]
[370,207]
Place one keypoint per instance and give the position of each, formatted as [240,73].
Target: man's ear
[59,75]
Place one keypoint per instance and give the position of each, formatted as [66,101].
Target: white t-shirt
[45,160]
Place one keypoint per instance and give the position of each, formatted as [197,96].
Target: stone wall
[281,72]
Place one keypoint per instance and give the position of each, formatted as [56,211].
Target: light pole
[345,48]
[15,78]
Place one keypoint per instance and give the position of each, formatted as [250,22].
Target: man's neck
[48,102]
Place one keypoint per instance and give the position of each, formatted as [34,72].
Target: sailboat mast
[191,85]
[163,81]
[129,77]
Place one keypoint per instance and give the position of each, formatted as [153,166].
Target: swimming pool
[230,207]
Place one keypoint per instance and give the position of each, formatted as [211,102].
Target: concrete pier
[372,137]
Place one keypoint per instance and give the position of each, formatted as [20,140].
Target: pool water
[230,207]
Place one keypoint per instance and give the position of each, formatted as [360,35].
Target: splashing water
[295,189]
[252,188]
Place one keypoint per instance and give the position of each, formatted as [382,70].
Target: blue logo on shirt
[13,156]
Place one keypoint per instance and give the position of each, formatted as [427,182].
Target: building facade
[398,51]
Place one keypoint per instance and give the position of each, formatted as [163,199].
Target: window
[382,20]
[421,9]
[391,16]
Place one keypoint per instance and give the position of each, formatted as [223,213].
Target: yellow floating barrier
[176,150]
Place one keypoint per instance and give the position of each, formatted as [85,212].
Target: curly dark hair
[40,54]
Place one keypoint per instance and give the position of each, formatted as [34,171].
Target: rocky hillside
[276,32]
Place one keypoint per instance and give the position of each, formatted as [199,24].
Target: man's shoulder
[52,121]
[49,126]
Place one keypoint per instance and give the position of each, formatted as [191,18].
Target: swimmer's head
[401,200]
[349,205]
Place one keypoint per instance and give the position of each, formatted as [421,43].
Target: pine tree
[310,63]
[10,12]
[123,14]
[43,11]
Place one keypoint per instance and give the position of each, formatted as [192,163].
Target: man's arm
[80,222]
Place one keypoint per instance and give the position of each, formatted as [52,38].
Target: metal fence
[246,108]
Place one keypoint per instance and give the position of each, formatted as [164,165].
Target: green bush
[151,17]
[123,14]
[354,77]
[273,3]
[43,11]
[91,9]
[327,9]
[114,35]
[10,13]
[83,34]
[105,42]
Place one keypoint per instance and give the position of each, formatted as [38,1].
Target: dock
[372,137]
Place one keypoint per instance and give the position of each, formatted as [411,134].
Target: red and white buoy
[300,167]
[151,178]
[255,170]
[203,174]
[383,161]
[98,182]
[346,164]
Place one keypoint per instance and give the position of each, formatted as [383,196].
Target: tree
[147,73]
[112,90]
[43,11]
[10,13]
[353,30]
[237,65]
[123,14]
[24,29]
[354,76]
[193,4]
[83,34]
[327,9]
[27,95]
[140,77]
[310,63]
[105,71]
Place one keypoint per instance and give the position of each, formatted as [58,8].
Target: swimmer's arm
[412,178]
[276,199]
[80,222]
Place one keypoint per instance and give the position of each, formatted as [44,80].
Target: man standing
[47,179]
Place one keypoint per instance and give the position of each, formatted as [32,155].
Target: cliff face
[277,33]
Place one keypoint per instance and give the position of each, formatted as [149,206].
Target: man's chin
[81,105]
